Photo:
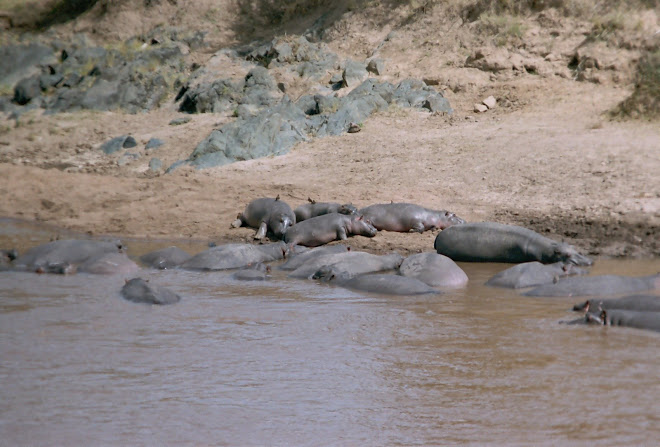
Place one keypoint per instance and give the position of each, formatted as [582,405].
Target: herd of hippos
[545,267]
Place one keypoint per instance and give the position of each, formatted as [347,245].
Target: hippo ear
[360,218]
[278,197]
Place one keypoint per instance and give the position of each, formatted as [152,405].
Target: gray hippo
[313,209]
[639,303]
[628,318]
[352,263]
[405,217]
[433,269]
[267,214]
[597,285]
[233,256]
[109,264]
[63,256]
[529,274]
[165,258]
[327,228]
[138,290]
[253,272]
[377,283]
[495,242]
[298,260]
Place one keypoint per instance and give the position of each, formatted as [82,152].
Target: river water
[291,362]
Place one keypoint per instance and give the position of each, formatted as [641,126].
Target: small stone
[155,164]
[179,121]
[129,142]
[117,143]
[127,158]
[376,66]
[154,143]
[354,128]
[490,102]
[480,108]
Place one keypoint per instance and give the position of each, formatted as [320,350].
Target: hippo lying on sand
[267,214]
[404,217]
[327,228]
[433,269]
[165,258]
[63,256]
[378,283]
[313,209]
[494,242]
[639,303]
[628,318]
[597,285]
[140,291]
[233,256]
[529,274]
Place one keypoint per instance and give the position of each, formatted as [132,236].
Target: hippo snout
[453,219]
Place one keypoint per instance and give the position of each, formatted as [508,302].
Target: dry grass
[644,102]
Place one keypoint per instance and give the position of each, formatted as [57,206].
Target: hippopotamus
[433,269]
[232,256]
[140,291]
[63,256]
[529,274]
[628,318]
[165,258]
[597,285]
[352,262]
[327,228]
[377,283]
[267,214]
[313,209]
[405,217]
[639,303]
[295,261]
[495,242]
[109,264]
[253,272]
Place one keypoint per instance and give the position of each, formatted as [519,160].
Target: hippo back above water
[267,214]
[405,217]
[495,242]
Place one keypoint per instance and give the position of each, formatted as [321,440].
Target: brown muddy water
[292,362]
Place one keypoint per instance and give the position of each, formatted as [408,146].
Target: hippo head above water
[569,255]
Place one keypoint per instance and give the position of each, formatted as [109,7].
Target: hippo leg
[417,227]
[261,233]
[341,234]
[238,222]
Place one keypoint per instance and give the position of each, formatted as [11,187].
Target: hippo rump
[109,264]
[638,303]
[628,318]
[351,263]
[380,283]
[433,269]
[327,228]
[234,256]
[64,256]
[530,274]
[495,242]
[138,290]
[597,286]
[267,215]
[405,217]
[165,258]
[313,209]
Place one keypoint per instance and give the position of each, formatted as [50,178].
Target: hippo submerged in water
[165,258]
[405,217]
[69,256]
[267,214]
[352,263]
[138,290]
[433,269]
[529,274]
[233,256]
[314,209]
[377,283]
[628,318]
[494,242]
[597,286]
[639,303]
[327,228]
